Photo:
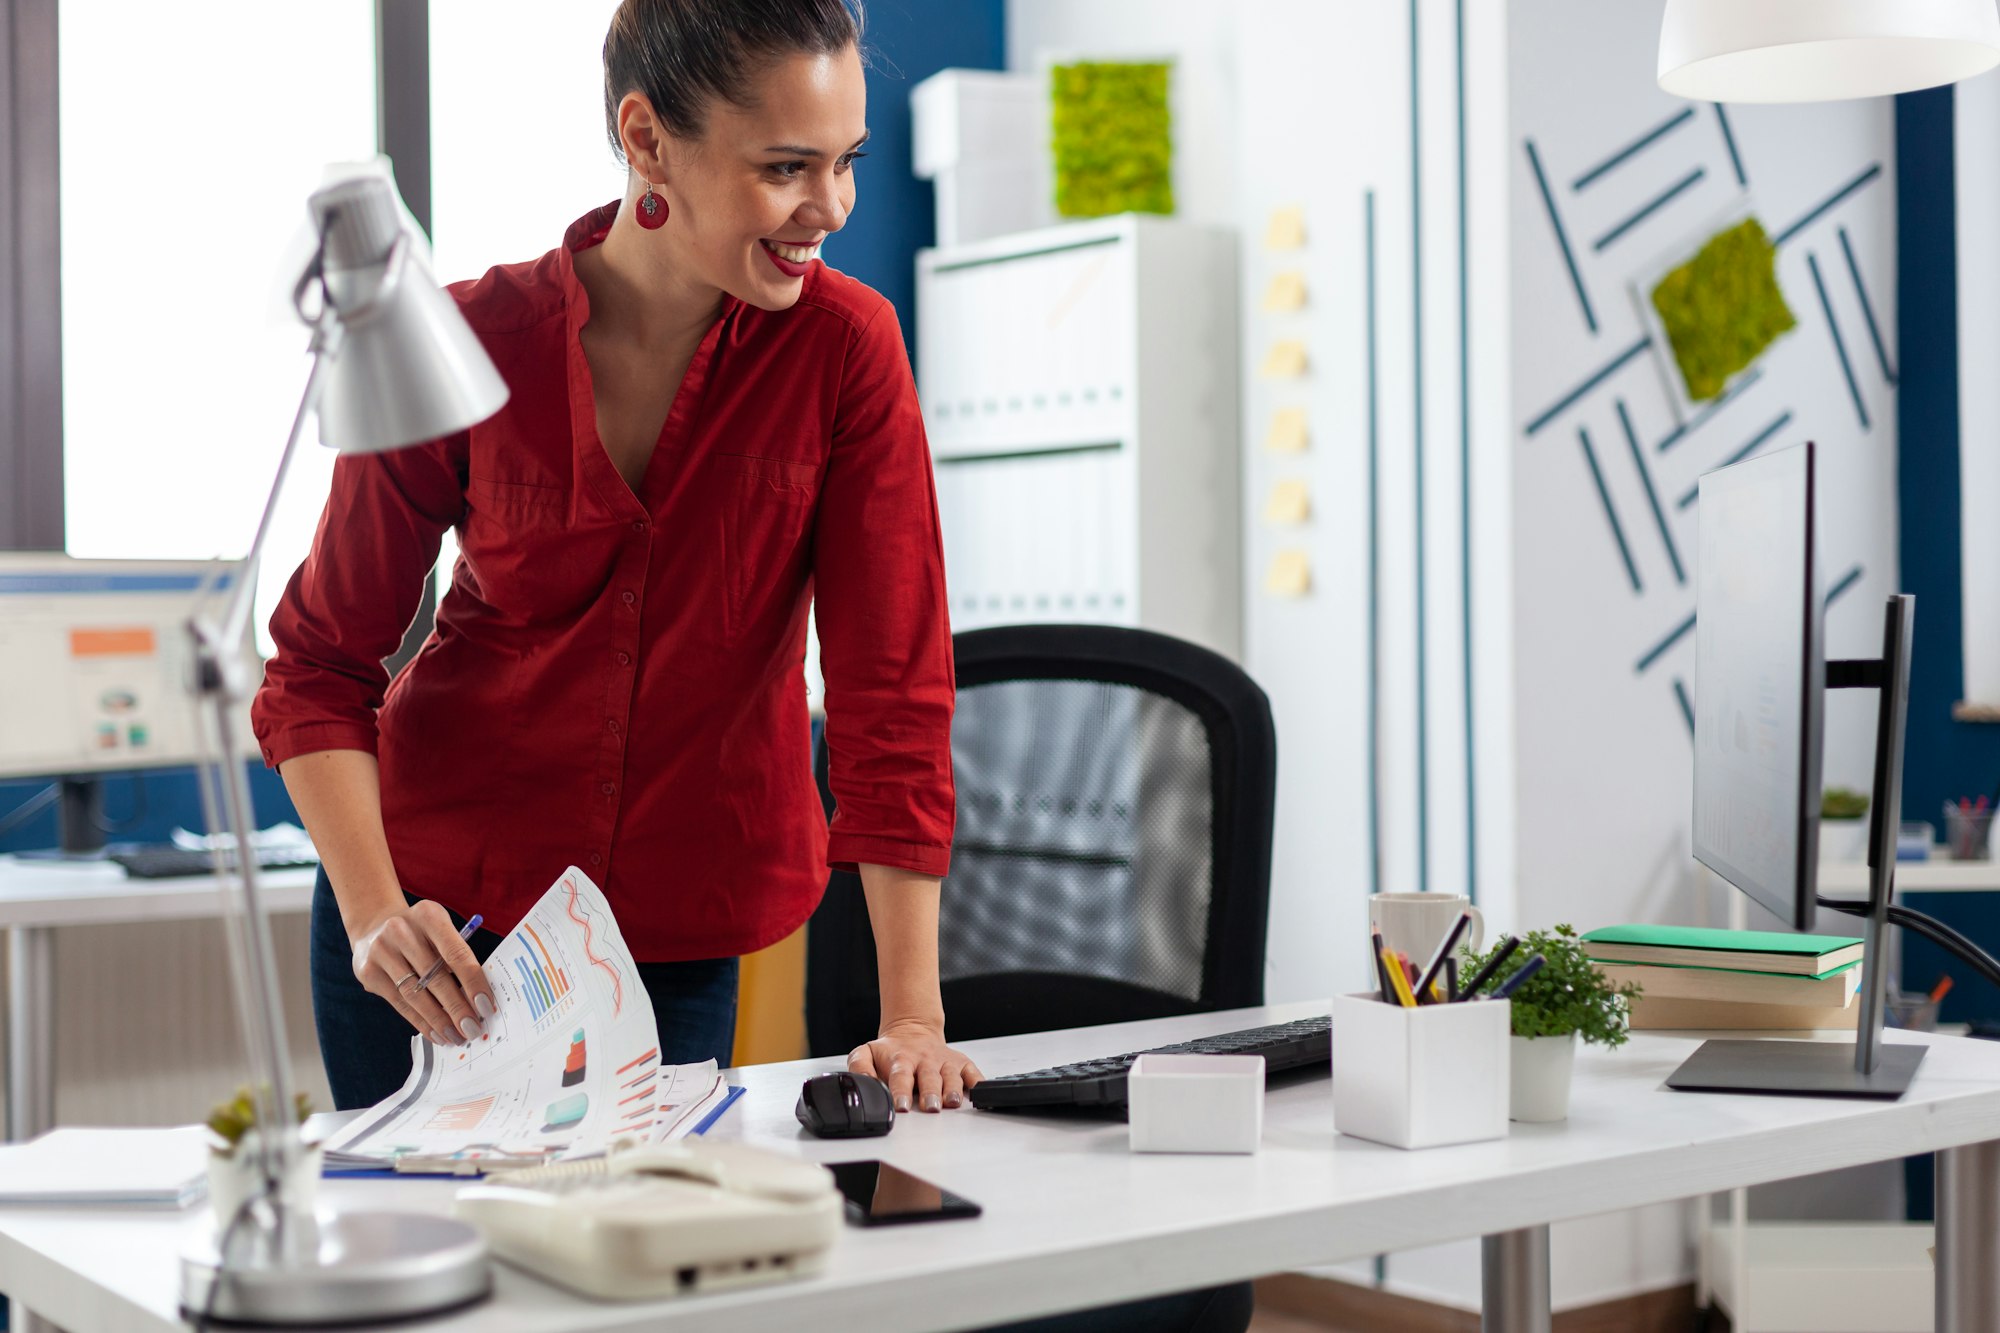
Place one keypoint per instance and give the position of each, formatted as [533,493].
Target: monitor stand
[79,823]
[1867,1066]
[1797,1069]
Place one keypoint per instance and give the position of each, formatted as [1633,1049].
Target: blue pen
[1521,974]
[431,973]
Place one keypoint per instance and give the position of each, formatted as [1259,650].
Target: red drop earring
[652,209]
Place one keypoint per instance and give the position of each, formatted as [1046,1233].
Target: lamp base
[1796,1069]
[367,1267]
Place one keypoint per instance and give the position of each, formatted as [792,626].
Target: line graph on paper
[581,913]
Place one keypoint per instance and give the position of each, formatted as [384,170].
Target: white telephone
[661,1220]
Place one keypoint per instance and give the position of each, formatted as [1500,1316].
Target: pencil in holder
[1422,1077]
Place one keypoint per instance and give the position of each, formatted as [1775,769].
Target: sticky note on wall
[1288,431]
[1286,230]
[1289,503]
[1286,360]
[1290,574]
[1285,291]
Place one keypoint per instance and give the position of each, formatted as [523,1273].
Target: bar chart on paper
[543,985]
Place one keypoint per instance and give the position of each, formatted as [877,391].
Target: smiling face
[751,199]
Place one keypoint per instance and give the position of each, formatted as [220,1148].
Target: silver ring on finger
[401,985]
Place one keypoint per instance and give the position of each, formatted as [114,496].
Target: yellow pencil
[1404,995]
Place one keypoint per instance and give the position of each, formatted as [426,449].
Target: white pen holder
[1422,1077]
[1196,1103]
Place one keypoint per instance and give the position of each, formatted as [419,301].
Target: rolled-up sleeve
[351,600]
[884,626]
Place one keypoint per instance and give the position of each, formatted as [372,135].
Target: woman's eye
[847,159]
[788,169]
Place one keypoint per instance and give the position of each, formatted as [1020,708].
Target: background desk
[1073,1219]
[36,897]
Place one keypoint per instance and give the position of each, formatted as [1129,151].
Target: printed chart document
[570,1060]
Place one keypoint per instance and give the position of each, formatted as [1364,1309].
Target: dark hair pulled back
[684,54]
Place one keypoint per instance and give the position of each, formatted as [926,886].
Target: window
[517,128]
[191,135]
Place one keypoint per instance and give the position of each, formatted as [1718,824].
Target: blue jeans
[366,1045]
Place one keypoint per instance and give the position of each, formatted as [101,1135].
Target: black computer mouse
[846,1106]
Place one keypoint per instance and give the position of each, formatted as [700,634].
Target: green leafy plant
[1843,803]
[1568,995]
[1723,307]
[1112,138]
[232,1119]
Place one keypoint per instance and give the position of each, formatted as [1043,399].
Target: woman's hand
[913,1060]
[395,949]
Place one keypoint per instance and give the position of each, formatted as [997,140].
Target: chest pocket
[765,509]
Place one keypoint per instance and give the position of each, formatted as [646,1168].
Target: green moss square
[1112,139]
[1722,308]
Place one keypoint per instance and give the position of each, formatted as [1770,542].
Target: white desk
[38,896]
[1073,1219]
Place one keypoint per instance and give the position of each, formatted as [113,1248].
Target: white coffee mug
[1415,923]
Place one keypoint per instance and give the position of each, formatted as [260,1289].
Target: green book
[1738,950]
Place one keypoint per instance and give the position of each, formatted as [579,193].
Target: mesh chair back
[1112,853]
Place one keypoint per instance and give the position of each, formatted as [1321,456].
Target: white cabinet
[1079,388]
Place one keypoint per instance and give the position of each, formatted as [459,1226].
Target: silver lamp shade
[1822,50]
[408,367]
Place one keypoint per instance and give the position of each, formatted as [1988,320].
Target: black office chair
[1113,850]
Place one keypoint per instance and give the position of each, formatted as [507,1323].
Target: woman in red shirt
[708,431]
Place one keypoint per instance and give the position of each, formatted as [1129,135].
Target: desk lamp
[393,364]
[1822,50]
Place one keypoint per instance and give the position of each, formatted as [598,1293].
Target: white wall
[1581,759]
[1976,116]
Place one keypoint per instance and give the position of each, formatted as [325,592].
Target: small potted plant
[236,1176]
[1567,999]
[1843,825]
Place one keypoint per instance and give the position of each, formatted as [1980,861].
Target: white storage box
[1423,1077]
[1196,1103]
[982,137]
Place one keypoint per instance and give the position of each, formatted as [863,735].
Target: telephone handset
[661,1219]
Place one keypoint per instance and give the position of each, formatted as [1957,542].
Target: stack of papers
[570,1061]
[160,1168]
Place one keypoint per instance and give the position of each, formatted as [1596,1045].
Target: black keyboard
[177,862]
[1307,1042]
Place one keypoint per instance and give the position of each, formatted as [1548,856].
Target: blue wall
[909,40]
[144,807]
[1944,759]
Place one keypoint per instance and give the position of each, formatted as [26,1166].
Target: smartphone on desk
[880,1195]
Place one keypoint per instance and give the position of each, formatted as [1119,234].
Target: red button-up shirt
[615,679]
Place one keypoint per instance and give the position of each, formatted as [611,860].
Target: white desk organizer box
[1423,1077]
[1196,1103]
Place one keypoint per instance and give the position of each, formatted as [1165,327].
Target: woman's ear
[642,136]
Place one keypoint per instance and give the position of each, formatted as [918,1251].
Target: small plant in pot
[1567,999]
[236,1176]
[1843,825]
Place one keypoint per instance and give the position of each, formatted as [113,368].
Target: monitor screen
[1759,681]
[95,661]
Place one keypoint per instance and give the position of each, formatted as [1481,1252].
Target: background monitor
[1760,682]
[94,665]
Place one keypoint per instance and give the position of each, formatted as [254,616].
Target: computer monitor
[1760,682]
[1761,677]
[94,665]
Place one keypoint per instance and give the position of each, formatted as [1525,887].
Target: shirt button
[608,788]
[638,525]
[629,599]
[624,659]
[596,860]
[612,723]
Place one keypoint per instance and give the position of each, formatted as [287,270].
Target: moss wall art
[1722,308]
[1112,138]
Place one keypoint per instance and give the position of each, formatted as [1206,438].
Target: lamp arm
[219,634]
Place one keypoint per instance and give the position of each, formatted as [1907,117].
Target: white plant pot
[237,1177]
[1538,1089]
[1843,841]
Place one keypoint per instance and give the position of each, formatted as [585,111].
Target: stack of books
[1693,977]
